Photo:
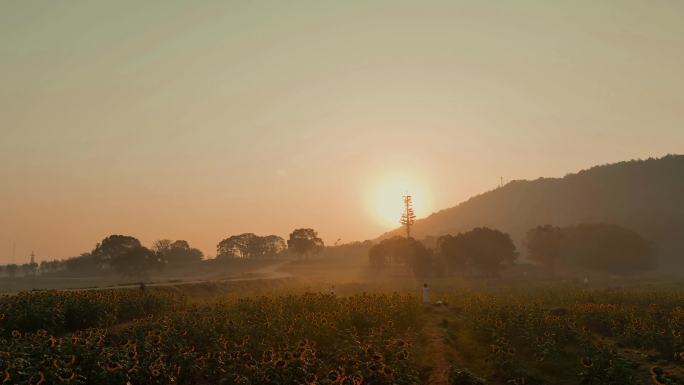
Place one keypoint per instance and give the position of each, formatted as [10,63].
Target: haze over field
[185,121]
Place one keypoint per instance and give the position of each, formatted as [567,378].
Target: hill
[643,195]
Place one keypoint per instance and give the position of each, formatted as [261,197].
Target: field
[280,332]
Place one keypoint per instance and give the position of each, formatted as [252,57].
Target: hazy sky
[199,119]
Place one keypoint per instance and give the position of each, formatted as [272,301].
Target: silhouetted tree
[453,249]
[84,263]
[249,245]
[377,256]
[178,252]
[401,250]
[304,242]
[29,269]
[112,247]
[11,270]
[608,248]
[544,245]
[135,261]
[489,248]
[481,248]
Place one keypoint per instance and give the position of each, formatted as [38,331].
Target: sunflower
[41,379]
[65,379]
[357,379]
[16,333]
[658,380]
[586,362]
[310,378]
[281,364]
[333,376]
[387,371]
[113,368]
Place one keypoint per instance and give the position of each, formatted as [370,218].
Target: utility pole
[408,217]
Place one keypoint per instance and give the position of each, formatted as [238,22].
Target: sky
[200,120]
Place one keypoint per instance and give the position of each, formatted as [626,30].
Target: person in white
[426,293]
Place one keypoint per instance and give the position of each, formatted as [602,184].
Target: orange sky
[173,120]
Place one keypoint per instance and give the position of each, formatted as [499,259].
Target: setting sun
[385,198]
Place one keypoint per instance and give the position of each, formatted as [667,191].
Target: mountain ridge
[644,195]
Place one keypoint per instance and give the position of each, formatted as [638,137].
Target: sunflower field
[266,333]
[624,336]
[286,339]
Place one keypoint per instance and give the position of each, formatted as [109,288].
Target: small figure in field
[332,290]
[585,281]
[426,293]
[142,287]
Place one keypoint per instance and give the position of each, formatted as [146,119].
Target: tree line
[126,256]
[484,251]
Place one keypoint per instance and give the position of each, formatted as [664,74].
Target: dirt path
[436,348]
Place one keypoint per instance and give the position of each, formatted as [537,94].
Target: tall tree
[304,242]
[408,217]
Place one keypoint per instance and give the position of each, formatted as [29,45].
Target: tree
[176,253]
[544,245]
[249,245]
[11,270]
[400,250]
[608,248]
[113,247]
[135,261]
[29,269]
[454,251]
[304,242]
[489,248]
[408,217]
[377,256]
[84,263]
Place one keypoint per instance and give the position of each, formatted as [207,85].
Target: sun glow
[386,198]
